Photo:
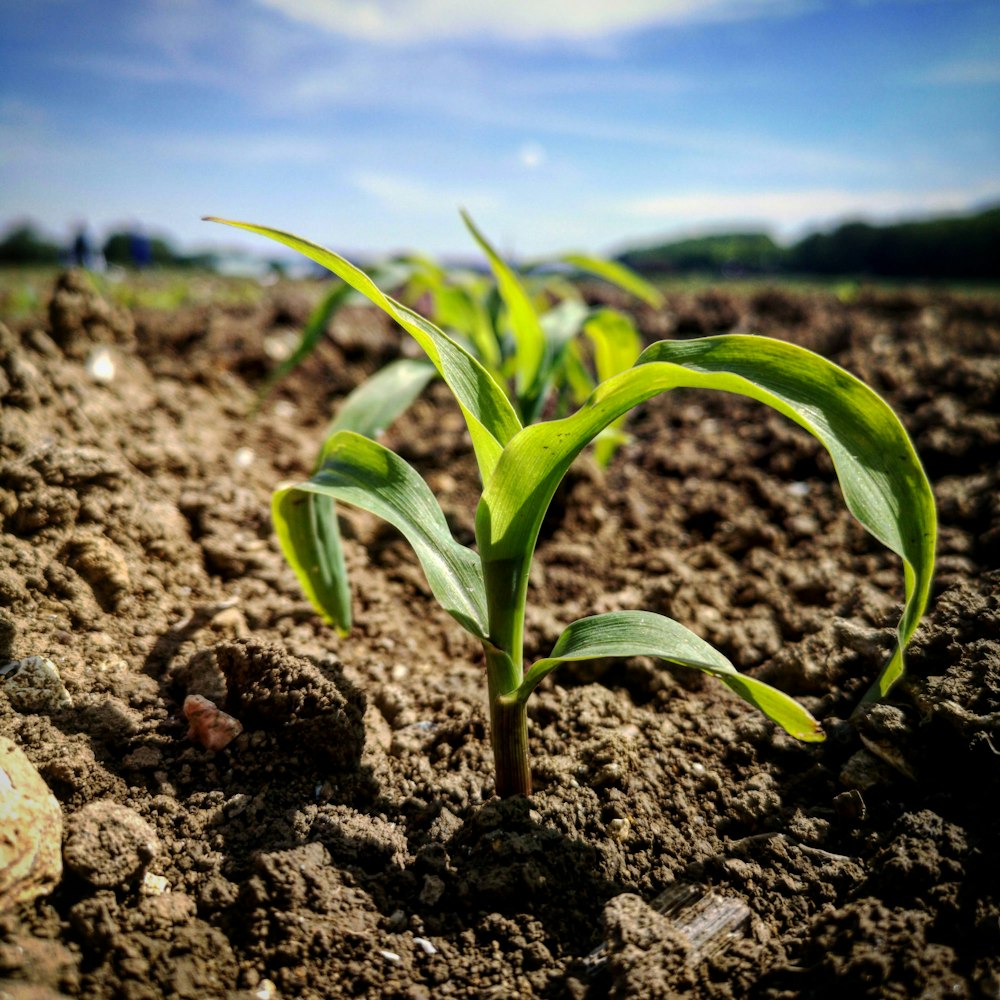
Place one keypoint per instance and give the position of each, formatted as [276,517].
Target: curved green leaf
[361,472]
[560,325]
[309,521]
[488,413]
[616,341]
[642,633]
[307,530]
[311,335]
[880,475]
[616,274]
[524,322]
[617,344]
[461,307]
[373,405]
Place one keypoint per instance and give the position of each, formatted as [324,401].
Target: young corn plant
[485,591]
[528,345]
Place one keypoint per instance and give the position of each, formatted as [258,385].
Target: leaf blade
[309,536]
[371,407]
[488,413]
[643,633]
[312,333]
[525,323]
[363,473]
[616,273]
[880,474]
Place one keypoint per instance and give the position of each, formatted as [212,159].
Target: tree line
[955,247]
[24,245]
[965,247]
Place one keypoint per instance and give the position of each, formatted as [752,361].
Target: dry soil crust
[346,844]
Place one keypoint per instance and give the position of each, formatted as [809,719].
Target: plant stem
[509,735]
[508,724]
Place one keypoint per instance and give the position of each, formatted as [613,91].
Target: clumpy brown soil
[347,843]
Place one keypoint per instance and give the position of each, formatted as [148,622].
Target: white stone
[34,685]
[100,365]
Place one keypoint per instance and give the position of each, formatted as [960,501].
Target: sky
[559,124]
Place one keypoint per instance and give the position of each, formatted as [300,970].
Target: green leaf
[560,325]
[312,333]
[576,375]
[307,530]
[361,472]
[617,274]
[524,322]
[642,633]
[307,522]
[461,308]
[372,406]
[488,413]
[616,341]
[880,475]
[617,344]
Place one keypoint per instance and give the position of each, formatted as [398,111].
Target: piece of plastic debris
[209,725]
[427,947]
[34,685]
[100,365]
[153,885]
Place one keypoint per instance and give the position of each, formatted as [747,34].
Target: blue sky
[560,124]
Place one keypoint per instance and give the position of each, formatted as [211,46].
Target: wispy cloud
[972,72]
[521,20]
[407,195]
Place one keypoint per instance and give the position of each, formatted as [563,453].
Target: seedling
[529,346]
[485,591]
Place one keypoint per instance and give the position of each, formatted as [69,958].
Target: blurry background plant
[532,331]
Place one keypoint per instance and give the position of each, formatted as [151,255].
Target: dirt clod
[313,705]
[108,844]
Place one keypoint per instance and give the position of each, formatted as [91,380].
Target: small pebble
[243,457]
[34,685]
[100,365]
[619,828]
[266,990]
[208,724]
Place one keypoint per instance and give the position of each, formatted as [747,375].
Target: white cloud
[531,155]
[402,21]
[791,211]
[974,72]
[404,195]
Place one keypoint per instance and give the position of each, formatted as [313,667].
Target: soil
[347,842]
